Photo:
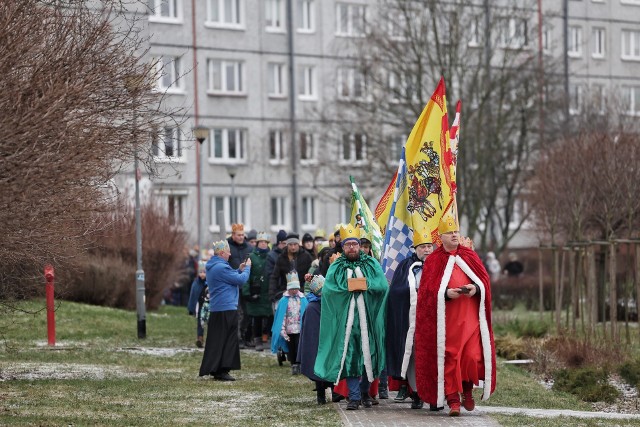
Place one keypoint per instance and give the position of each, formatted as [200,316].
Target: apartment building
[259,74]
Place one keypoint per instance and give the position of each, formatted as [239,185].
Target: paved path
[390,413]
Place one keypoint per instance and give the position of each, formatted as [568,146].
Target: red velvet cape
[426,337]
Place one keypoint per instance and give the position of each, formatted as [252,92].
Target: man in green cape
[352,340]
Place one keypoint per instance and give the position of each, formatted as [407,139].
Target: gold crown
[447,224]
[421,236]
[348,231]
[237,227]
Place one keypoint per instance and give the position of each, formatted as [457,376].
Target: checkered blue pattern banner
[398,243]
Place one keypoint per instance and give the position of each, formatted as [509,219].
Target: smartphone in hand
[464,290]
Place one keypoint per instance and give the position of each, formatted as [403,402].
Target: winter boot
[257,342]
[199,341]
[467,396]
[383,391]
[403,393]
[322,398]
[416,402]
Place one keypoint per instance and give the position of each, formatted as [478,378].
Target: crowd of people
[326,306]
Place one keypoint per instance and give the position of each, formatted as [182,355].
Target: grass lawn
[99,373]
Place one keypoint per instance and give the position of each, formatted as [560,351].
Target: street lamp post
[200,133]
[132,84]
[232,170]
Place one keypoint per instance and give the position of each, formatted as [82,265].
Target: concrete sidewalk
[390,413]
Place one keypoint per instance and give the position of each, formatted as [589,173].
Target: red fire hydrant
[51,313]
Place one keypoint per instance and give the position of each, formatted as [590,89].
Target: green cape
[333,320]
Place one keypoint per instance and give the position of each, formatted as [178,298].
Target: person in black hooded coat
[292,258]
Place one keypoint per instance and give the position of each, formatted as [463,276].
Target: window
[597,42]
[575,99]
[227,145]
[274,15]
[307,148]
[233,211]
[278,213]
[631,100]
[307,82]
[167,144]
[575,42]
[308,212]
[599,98]
[306,16]
[165,10]
[513,33]
[350,20]
[351,84]
[476,31]
[225,77]
[277,150]
[276,83]
[225,13]
[397,24]
[353,149]
[631,45]
[395,148]
[169,70]
[345,209]
[547,38]
[175,210]
[403,88]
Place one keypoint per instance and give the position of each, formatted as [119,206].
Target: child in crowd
[199,299]
[288,320]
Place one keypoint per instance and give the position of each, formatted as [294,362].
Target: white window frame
[354,13]
[513,33]
[598,42]
[281,206]
[599,96]
[630,45]
[576,98]
[175,209]
[158,146]
[396,25]
[277,147]
[395,148]
[236,21]
[306,21]
[347,80]
[352,159]
[345,210]
[277,83]
[238,71]
[629,2]
[547,39]
[574,49]
[308,207]
[308,152]
[169,70]
[241,215]
[239,134]
[632,94]
[175,11]
[476,35]
[307,83]
[275,16]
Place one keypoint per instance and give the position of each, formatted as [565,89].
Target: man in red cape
[454,345]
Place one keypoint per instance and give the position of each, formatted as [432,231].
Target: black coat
[309,339]
[278,282]
[398,316]
[239,253]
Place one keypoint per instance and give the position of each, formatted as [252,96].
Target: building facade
[260,75]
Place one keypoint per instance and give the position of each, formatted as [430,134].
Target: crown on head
[293,282]
[316,285]
[348,231]
[201,266]
[220,246]
[447,224]
[421,236]
[263,236]
[237,227]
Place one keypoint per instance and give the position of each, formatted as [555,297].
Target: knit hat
[252,234]
[293,282]
[307,238]
[316,285]
[293,238]
[281,237]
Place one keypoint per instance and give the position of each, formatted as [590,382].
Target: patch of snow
[61,371]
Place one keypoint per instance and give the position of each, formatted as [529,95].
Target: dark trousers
[258,329]
[294,340]
[244,329]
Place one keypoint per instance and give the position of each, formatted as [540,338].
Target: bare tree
[487,55]
[76,102]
